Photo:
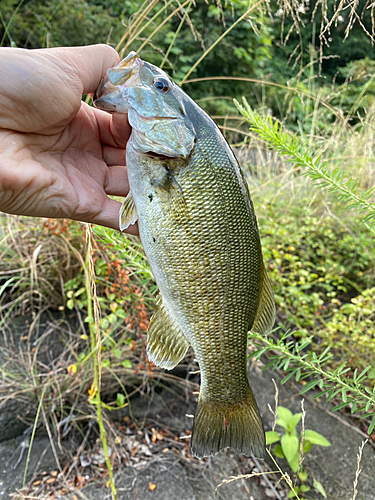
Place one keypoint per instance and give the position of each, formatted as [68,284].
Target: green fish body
[199,232]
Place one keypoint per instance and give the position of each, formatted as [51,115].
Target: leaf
[92,391]
[307,446]
[294,421]
[117,353]
[289,444]
[338,407]
[303,475]
[272,437]
[309,386]
[70,304]
[294,463]
[127,363]
[305,488]
[319,487]
[278,451]
[316,438]
[284,414]
[72,370]
[120,399]
[372,425]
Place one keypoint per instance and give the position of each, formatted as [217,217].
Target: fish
[200,235]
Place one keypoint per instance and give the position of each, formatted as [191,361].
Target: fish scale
[199,232]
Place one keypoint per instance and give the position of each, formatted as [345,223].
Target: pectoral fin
[166,344]
[128,212]
[265,316]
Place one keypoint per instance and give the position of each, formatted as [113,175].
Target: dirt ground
[152,460]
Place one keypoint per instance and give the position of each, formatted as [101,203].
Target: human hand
[59,157]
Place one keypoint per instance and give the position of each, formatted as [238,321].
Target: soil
[156,463]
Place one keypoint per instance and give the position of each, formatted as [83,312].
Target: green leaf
[284,414]
[282,423]
[307,446]
[70,304]
[112,318]
[372,425]
[278,451]
[344,396]
[338,407]
[316,438]
[305,488]
[117,353]
[289,445]
[120,399]
[319,487]
[309,386]
[294,463]
[291,494]
[303,475]
[272,437]
[106,363]
[127,363]
[294,421]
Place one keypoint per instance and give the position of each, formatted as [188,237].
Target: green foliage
[314,263]
[292,448]
[350,332]
[52,23]
[344,188]
[296,360]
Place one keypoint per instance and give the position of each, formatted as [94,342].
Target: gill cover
[157,115]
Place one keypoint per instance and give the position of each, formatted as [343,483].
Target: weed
[293,448]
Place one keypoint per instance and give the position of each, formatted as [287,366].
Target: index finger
[114,129]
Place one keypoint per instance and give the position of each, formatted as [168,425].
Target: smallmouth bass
[199,232]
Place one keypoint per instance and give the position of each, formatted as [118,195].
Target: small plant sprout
[293,448]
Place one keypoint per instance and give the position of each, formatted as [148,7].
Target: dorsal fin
[266,312]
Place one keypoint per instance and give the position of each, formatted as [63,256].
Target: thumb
[89,64]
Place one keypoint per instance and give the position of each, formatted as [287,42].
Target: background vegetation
[308,65]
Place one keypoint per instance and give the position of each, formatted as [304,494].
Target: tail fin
[219,425]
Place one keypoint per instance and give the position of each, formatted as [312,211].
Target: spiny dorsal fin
[128,212]
[266,312]
[166,344]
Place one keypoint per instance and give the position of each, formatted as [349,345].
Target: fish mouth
[111,95]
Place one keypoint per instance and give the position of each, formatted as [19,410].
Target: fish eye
[162,84]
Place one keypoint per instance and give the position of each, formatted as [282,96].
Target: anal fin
[128,212]
[266,312]
[166,344]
